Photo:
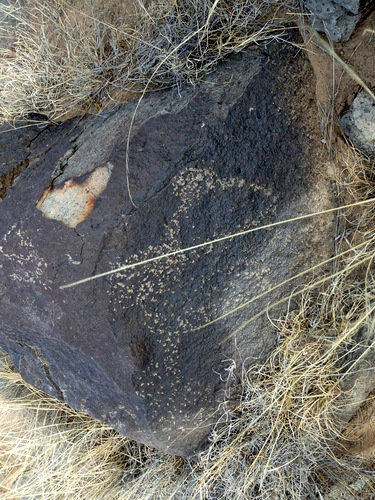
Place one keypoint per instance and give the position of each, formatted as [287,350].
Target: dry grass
[59,58]
[281,432]
[50,451]
[282,439]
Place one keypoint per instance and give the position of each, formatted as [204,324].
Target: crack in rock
[8,178]
[47,371]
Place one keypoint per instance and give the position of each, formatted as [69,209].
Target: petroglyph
[73,202]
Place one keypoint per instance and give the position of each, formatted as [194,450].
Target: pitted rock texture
[359,123]
[241,149]
[337,18]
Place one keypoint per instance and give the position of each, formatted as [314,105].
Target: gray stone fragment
[359,123]
[336,18]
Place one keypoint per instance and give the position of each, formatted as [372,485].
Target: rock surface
[337,18]
[241,149]
[359,123]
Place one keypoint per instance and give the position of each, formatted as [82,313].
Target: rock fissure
[63,162]
[82,245]
[8,178]
[47,370]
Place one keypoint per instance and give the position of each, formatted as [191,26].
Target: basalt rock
[337,18]
[240,149]
[359,123]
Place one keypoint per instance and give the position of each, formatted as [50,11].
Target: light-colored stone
[337,18]
[359,123]
[72,202]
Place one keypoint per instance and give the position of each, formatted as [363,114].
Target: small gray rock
[359,123]
[336,18]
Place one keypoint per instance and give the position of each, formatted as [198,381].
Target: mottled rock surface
[337,18]
[359,123]
[241,149]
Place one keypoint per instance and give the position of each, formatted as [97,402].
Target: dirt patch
[335,88]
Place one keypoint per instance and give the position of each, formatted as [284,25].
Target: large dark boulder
[241,149]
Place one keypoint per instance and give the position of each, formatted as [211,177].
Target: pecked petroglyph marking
[20,258]
[73,202]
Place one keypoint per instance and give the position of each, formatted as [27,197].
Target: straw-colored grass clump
[284,440]
[59,58]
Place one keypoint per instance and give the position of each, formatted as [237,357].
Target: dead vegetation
[59,58]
